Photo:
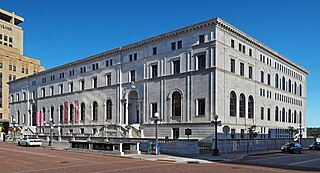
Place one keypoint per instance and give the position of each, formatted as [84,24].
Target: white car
[30,141]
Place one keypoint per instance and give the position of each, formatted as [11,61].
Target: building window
[71,87]
[250,52]
[262,77]
[250,72]
[201,105]
[61,75]
[61,114]
[135,56]
[300,117]
[52,113]
[269,114]
[10,39]
[13,77]
[173,46]
[241,69]
[94,111]
[179,43]
[108,79]
[52,77]
[175,133]
[109,109]
[95,66]
[243,48]
[71,112]
[201,61]
[71,72]
[154,71]
[130,57]
[262,113]
[176,67]
[111,62]
[44,80]
[289,85]
[132,76]
[232,43]
[233,66]
[283,83]
[14,68]
[61,89]
[82,87]
[27,71]
[295,87]
[269,79]
[83,69]
[94,82]
[242,104]
[283,115]
[233,104]
[10,67]
[10,77]
[22,70]
[289,116]
[51,89]
[154,51]
[300,90]
[43,92]
[18,97]
[82,112]
[201,39]
[250,107]
[240,46]
[295,117]
[276,114]
[23,96]
[176,104]
[154,109]
[277,81]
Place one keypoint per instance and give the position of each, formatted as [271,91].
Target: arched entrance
[133,108]
[34,113]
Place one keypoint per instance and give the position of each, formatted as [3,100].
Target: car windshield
[289,144]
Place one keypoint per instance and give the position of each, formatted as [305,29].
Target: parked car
[314,146]
[30,141]
[292,147]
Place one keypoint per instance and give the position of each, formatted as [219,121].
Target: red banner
[76,111]
[41,118]
[38,118]
[66,112]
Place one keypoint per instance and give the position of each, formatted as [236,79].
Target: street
[306,161]
[40,159]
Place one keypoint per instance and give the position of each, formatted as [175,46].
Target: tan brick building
[13,64]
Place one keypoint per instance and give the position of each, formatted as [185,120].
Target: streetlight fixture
[216,123]
[156,120]
[51,132]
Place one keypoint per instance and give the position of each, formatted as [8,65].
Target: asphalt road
[20,159]
[306,161]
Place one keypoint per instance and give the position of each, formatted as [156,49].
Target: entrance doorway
[133,108]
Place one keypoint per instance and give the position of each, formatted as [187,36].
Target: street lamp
[156,119]
[300,133]
[216,123]
[51,132]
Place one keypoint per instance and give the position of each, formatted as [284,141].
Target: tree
[292,132]
[1,127]
[251,134]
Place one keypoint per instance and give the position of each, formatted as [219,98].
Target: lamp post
[156,119]
[216,123]
[300,135]
[51,132]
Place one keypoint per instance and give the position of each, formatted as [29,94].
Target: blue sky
[60,31]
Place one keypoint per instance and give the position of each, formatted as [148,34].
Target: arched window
[300,117]
[277,81]
[242,104]
[52,113]
[109,109]
[71,111]
[283,83]
[289,116]
[289,85]
[300,90]
[82,111]
[233,104]
[250,107]
[94,111]
[276,113]
[44,113]
[18,117]
[61,114]
[176,104]
[283,115]
[295,117]
[295,87]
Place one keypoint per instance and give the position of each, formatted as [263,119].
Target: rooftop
[7,16]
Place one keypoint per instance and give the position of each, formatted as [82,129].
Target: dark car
[292,147]
[314,146]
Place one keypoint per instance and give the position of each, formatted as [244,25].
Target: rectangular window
[14,68]
[95,66]
[243,48]
[240,46]
[10,77]
[179,44]
[94,82]
[241,69]
[82,85]
[10,67]
[201,62]
[232,43]
[61,89]
[250,72]
[135,56]
[5,38]
[233,66]
[62,75]
[250,52]
[10,39]
[154,71]
[269,79]
[175,133]
[201,107]
[52,77]
[71,72]
[132,76]
[154,51]
[176,67]
[130,57]
[71,87]
[107,63]
[269,114]
[262,113]
[262,77]
[201,39]
[154,109]
[83,69]
[22,70]
[173,46]
[44,80]
[111,62]
[27,71]
[108,78]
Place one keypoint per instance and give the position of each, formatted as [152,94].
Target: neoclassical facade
[186,75]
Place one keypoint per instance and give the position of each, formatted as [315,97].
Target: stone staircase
[28,130]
